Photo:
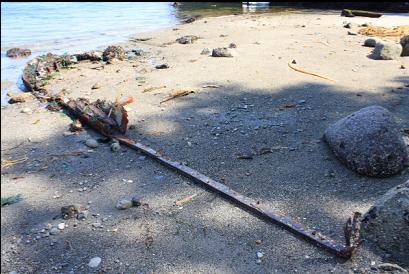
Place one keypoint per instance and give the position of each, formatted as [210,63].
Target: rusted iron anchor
[351,229]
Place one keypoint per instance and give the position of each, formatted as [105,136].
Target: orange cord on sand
[310,73]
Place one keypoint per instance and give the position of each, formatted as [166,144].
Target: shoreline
[249,102]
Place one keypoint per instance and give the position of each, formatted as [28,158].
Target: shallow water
[75,27]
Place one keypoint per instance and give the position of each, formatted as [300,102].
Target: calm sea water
[76,27]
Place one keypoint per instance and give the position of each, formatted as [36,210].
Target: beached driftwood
[353,13]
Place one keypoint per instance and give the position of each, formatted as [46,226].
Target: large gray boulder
[387,51]
[387,223]
[405,45]
[369,142]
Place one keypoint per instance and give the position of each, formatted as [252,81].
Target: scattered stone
[351,25]
[82,215]
[402,67]
[352,33]
[138,52]
[365,25]
[96,86]
[260,255]
[387,222]
[54,231]
[392,267]
[258,261]
[92,143]
[115,147]
[222,52]
[94,262]
[124,204]
[387,51]
[190,19]
[113,52]
[61,226]
[404,41]
[70,211]
[162,66]
[92,56]
[258,242]
[205,51]
[20,97]
[137,200]
[369,142]
[371,42]
[17,52]
[27,111]
[187,39]
[97,225]
[232,46]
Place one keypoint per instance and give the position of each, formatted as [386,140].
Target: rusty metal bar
[339,249]
[351,229]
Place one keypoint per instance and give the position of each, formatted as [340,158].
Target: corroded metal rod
[342,250]
[351,229]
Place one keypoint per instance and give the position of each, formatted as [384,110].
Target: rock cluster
[17,52]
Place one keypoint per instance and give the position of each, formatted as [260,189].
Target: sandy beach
[249,102]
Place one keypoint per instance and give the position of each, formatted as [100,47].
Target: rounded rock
[115,147]
[26,110]
[387,51]
[94,262]
[369,142]
[54,231]
[61,226]
[386,223]
[371,42]
[124,204]
[96,86]
[222,52]
[205,51]
[92,143]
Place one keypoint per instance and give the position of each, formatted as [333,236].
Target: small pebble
[92,143]
[94,262]
[96,86]
[115,147]
[260,255]
[97,225]
[61,226]
[205,51]
[26,110]
[54,231]
[82,215]
[124,204]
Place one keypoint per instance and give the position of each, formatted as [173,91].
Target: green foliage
[10,200]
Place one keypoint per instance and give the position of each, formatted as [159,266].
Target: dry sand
[207,130]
